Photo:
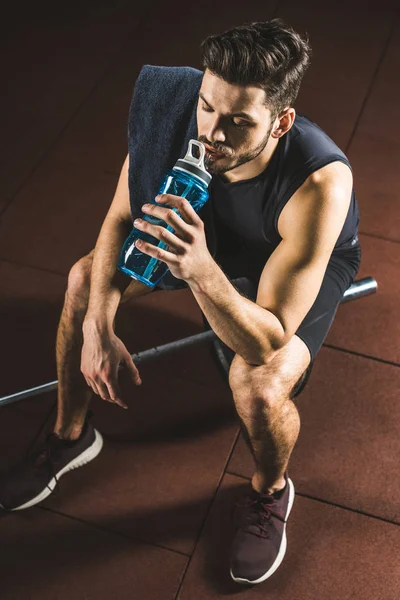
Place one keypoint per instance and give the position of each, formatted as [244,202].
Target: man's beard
[215,169]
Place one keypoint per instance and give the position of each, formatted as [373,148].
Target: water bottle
[188,179]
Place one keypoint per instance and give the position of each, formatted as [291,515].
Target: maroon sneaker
[260,542]
[35,477]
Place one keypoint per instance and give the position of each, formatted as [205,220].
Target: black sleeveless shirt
[246,213]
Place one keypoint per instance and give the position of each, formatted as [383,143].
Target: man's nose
[216,132]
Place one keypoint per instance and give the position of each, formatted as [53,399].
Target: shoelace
[258,512]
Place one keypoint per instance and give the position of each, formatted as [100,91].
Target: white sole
[282,549]
[82,459]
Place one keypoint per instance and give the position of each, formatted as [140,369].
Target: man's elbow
[276,343]
[274,337]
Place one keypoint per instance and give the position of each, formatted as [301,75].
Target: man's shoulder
[310,137]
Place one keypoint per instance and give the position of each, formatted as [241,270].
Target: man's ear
[283,122]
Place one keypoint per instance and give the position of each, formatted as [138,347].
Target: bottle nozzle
[196,166]
[198,162]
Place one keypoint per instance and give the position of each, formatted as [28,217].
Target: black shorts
[339,275]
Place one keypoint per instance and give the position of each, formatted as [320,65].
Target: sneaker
[260,542]
[36,476]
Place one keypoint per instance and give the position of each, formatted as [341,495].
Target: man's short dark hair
[266,54]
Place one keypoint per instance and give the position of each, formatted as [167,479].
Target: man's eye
[241,124]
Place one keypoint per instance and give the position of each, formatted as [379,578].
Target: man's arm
[292,276]
[107,283]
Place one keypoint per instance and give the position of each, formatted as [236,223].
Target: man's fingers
[133,370]
[103,390]
[115,393]
[109,392]
[92,384]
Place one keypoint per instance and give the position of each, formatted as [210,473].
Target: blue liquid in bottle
[188,179]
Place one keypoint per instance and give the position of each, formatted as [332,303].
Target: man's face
[222,126]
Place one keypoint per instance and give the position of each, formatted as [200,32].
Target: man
[284,215]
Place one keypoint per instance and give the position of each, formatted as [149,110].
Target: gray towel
[162,120]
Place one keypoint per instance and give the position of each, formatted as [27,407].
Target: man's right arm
[107,283]
[102,351]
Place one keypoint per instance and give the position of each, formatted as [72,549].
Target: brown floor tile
[156,46]
[67,204]
[46,87]
[332,553]
[348,444]
[333,90]
[137,485]
[375,152]
[20,423]
[30,308]
[371,325]
[97,136]
[153,45]
[30,311]
[336,85]
[50,556]
[163,317]
[162,461]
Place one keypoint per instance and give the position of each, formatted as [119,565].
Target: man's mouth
[214,153]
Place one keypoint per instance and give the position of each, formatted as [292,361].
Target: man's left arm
[292,276]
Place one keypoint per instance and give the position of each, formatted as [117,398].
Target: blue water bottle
[188,179]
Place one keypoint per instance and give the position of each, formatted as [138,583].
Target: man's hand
[187,257]
[102,353]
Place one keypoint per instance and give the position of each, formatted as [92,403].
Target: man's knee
[79,281]
[256,385]
[269,385]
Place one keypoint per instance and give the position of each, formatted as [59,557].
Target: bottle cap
[194,166]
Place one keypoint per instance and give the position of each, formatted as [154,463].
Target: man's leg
[73,392]
[75,444]
[263,401]
[263,398]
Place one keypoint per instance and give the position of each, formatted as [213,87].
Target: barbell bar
[358,289]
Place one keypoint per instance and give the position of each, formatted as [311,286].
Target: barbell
[358,289]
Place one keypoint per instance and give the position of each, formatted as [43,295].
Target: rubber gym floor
[150,518]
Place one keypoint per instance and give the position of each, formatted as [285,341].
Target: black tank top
[246,213]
